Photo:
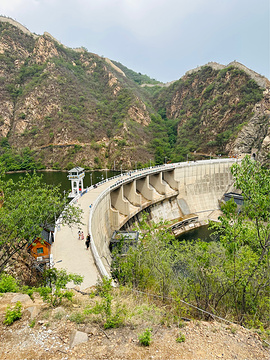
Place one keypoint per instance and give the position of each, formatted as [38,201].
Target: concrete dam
[187,194]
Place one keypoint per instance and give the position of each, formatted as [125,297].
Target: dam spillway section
[184,194]
[169,192]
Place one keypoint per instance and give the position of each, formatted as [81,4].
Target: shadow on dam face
[200,233]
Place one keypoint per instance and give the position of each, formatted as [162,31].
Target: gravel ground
[48,337]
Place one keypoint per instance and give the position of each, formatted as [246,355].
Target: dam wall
[101,230]
[171,192]
[202,185]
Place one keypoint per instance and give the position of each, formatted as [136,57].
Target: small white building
[76,176]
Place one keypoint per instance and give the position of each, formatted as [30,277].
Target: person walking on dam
[87,242]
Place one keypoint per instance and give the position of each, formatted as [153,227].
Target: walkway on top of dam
[68,251]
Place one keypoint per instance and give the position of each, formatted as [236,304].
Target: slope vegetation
[210,108]
[54,98]
[63,106]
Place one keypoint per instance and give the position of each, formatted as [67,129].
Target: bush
[32,323]
[70,166]
[13,314]
[115,320]
[56,166]
[58,279]
[112,318]
[145,337]
[181,338]
[8,284]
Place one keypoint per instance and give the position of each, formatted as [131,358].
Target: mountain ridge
[260,79]
[70,106]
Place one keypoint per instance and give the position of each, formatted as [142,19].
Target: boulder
[23,298]
[77,337]
[34,311]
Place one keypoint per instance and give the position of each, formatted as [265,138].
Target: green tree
[246,239]
[29,206]
[229,276]
[150,263]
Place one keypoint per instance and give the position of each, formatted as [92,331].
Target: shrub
[70,165]
[233,330]
[111,318]
[181,338]
[8,284]
[56,166]
[13,314]
[145,337]
[28,290]
[58,280]
[115,320]
[122,143]
[32,323]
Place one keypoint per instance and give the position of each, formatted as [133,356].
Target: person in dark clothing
[87,242]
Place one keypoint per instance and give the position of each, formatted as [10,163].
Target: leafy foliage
[8,284]
[181,338]
[228,276]
[151,262]
[246,238]
[15,160]
[165,137]
[111,317]
[137,77]
[145,337]
[13,314]
[29,206]
[206,117]
[57,291]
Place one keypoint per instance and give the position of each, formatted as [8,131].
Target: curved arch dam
[186,194]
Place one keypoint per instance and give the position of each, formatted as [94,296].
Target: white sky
[160,38]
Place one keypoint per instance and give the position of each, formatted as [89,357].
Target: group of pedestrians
[80,235]
[88,238]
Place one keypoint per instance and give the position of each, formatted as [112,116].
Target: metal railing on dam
[201,179]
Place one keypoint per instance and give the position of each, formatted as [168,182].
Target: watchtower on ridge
[76,176]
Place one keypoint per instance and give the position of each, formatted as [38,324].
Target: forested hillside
[206,111]
[60,107]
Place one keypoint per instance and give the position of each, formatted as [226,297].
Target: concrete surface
[69,253]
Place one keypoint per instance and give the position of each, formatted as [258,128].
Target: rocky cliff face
[219,110]
[54,98]
[72,106]
[254,137]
